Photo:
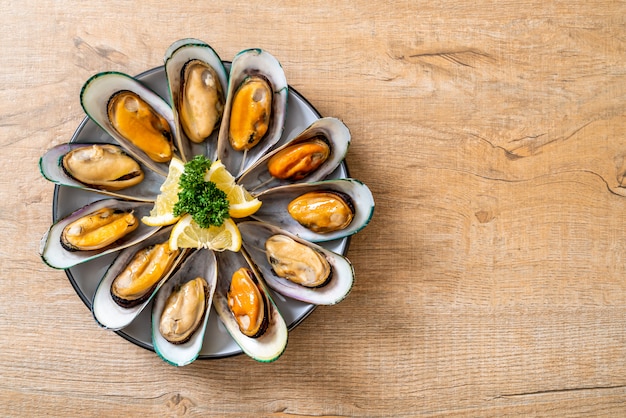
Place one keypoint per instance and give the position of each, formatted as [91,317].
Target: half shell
[177,57]
[339,284]
[253,63]
[105,310]
[199,264]
[50,165]
[331,130]
[272,343]
[275,202]
[98,91]
[53,253]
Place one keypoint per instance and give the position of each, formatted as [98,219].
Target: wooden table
[491,280]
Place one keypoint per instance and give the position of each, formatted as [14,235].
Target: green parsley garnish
[206,204]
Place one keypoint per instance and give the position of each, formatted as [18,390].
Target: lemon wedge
[161,214]
[242,203]
[188,234]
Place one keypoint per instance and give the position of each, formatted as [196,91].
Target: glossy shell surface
[51,169]
[177,55]
[275,202]
[95,96]
[55,255]
[256,63]
[336,288]
[106,311]
[272,343]
[258,178]
[199,264]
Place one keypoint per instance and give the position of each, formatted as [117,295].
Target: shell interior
[334,291]
[201,263]
[257,178]
[269,346]
[178,54]
[94,98]
[51,168]
[107,313]
[275,201]
[247,63]
[53,253]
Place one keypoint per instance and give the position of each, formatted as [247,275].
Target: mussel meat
[148,266]
[184,311]
[98,229]
[322,212]
[297,262]
[298,160]
[248,303]
[250,113]
[202,100]
[102,166]
[138,122]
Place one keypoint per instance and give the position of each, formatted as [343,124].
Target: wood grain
[490,281]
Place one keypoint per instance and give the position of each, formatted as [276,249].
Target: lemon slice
[161,214]
[241,202]
[188,234]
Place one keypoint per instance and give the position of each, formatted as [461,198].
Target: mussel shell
[276,200]
[253,62]
[201,263]
[297,262]
[107,313]
[95,96]
[51,168]
[334,290]
[272,343]
[257,178]
[53,253]
[177,55]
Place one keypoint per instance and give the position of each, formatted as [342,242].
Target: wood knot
[484,216]
[179,403]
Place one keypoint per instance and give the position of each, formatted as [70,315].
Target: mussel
[181,308]
[309,156]
[102,166]
[246,309]
[322,277]
[136,282]
[98,229]
[317,211]
[201,101]
[297,262]
[250,115]
[64,246]
[134,119]
[197,82]
[255,110]
[322,211]
[297,161]
[248,303]
[184,311]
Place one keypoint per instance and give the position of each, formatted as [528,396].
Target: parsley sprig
[206,204]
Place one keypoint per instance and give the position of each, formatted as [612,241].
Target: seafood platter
[145,265]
